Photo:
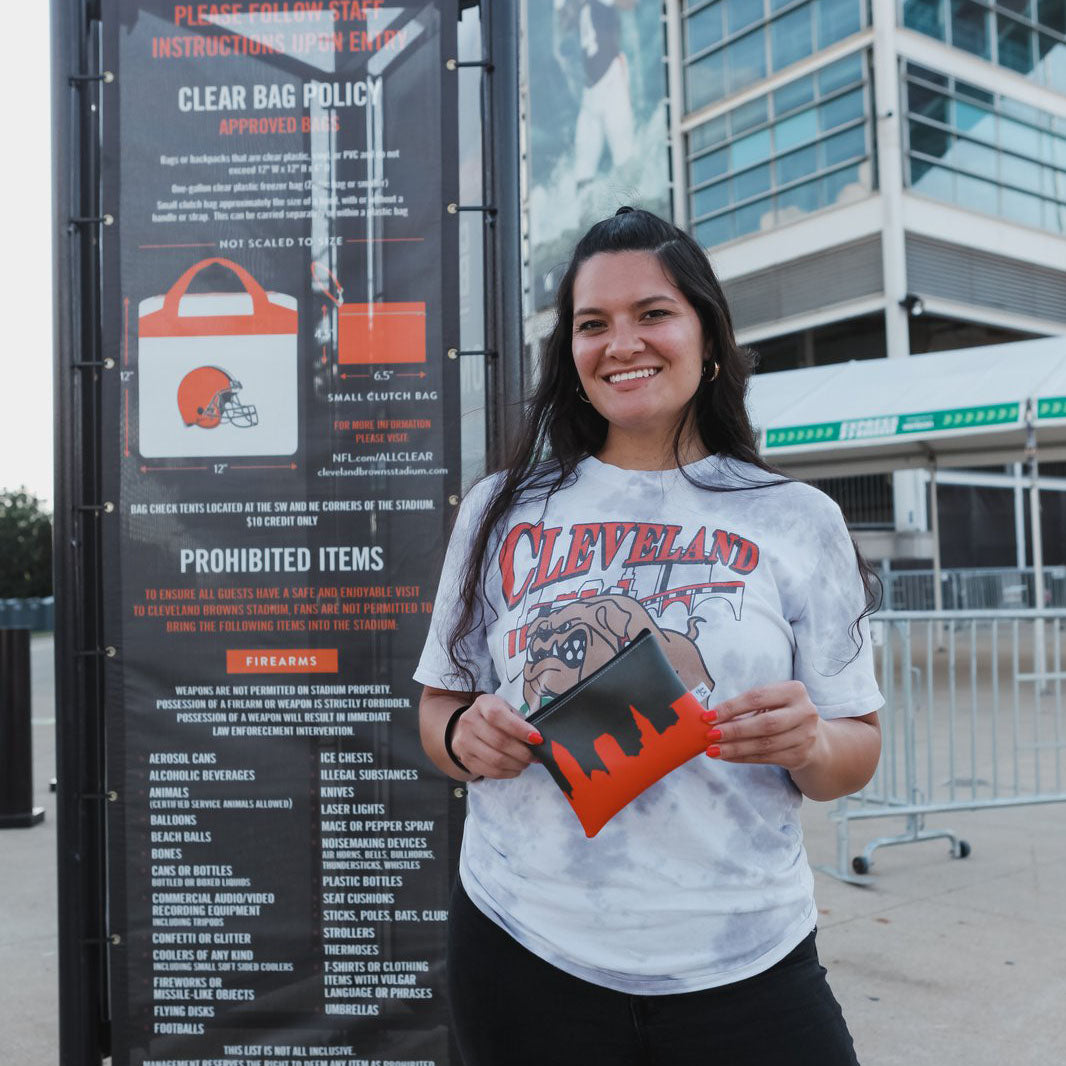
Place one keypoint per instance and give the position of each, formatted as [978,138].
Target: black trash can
[16,746]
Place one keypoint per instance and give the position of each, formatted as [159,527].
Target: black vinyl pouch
[618,731]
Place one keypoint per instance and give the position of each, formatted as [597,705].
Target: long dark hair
[561,429]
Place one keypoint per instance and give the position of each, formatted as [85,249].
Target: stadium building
[872,179]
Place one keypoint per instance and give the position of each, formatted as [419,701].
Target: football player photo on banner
[597,129]
[282,449]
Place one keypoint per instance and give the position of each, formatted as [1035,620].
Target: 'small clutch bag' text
[619,730]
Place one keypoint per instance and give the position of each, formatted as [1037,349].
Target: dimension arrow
[145,469]
[250,466]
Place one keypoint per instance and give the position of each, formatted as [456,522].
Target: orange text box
[382,333]
[281,660]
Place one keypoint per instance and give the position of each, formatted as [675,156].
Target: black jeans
[511,1008]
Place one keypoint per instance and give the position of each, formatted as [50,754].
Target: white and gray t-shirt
[703,879]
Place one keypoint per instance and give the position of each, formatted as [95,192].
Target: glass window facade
[806,146]
[1026,36]
[984,151]
[731,44]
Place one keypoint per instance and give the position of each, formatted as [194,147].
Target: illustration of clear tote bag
[217,371]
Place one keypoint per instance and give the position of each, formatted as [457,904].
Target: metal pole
[1019,516]
[1037,541]
[76,97]
[505,379]
[938,587]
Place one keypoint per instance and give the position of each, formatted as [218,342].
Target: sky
[26,286]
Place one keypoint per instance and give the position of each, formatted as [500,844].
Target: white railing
[974,718]
[976,589]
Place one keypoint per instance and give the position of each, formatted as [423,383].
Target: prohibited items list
[281,433]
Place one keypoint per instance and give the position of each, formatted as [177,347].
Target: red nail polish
[714,751]
[535,738]
[714,734]
[709,716]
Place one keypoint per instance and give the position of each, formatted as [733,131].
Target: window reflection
[711,199]
[797,165]
[1025,36]
[976,194]
[836,19]
[752,182]
[842,109]
[753,217]
[730,38]
[751,149]
[969,27]
[797,201]
[740,14]
[1052,61]
[845,71]
[777,157]
[704,28]
[925,17]
[747,61]
[845,146]
[705,81]
[1021,207]
[798,129]
[794,94]
[1015,43]
[708,167]
[792,37]
[976,121]
[997,155]
[929,140]
[976,158]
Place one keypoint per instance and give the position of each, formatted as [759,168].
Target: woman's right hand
[492,739]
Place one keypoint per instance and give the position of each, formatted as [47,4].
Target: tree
[25,545]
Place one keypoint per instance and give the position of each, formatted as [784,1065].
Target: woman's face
[638,344]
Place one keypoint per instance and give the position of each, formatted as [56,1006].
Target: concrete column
[887,127]
[675,84]
[908,487]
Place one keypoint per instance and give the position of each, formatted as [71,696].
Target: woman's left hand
[774,723]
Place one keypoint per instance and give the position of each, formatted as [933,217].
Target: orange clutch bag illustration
[619,731]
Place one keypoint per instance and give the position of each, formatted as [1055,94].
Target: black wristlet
[448,730]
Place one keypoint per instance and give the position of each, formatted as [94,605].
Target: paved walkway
[942,962]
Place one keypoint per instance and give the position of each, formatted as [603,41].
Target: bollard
[16,761]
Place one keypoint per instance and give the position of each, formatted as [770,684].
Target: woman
[683,932]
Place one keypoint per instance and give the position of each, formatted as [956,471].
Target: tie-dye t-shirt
[702,880]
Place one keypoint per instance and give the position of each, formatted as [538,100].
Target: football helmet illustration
[207,396]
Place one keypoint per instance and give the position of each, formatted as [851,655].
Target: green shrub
[25,545]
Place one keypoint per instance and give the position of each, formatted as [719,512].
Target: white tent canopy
[961,408]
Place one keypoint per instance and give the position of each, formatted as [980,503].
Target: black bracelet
[448,730]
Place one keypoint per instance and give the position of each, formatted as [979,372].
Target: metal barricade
[973,719]
[973,589]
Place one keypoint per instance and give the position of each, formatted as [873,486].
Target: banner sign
[597,130]
[1001,414]
[281,449]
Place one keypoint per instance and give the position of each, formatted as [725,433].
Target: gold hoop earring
[580,394]
[714,375]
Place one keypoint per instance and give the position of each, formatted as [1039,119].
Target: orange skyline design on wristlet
[597,796]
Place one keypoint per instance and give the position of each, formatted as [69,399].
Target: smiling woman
[637,502]
[640,354]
